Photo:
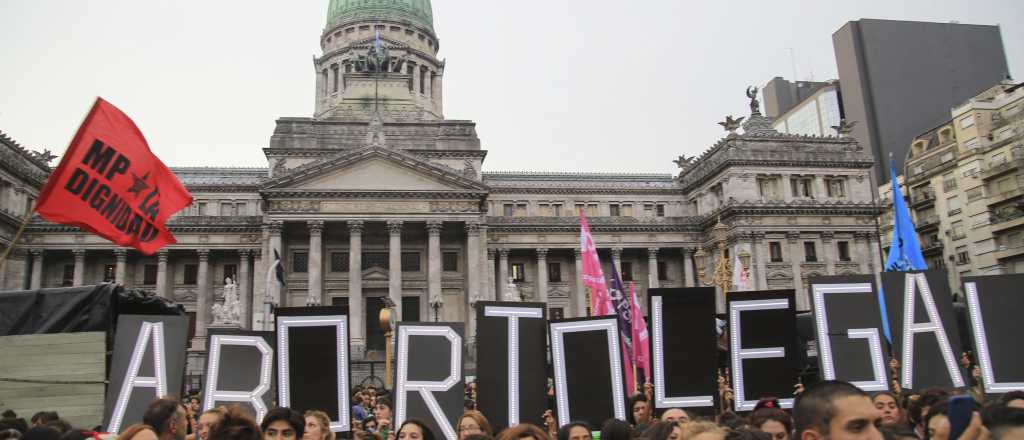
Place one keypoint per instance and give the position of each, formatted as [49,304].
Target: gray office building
[900,78]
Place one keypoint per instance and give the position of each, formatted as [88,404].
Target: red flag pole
[17,235]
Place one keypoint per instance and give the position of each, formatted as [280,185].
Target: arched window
[334,78]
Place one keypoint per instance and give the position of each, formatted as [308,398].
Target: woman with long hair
[318,426]
[413,429]
[474,422]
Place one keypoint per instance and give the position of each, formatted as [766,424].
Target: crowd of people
[826,410]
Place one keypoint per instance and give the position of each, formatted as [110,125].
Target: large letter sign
[312,362]
[848,323]
[684,347]
[239,369]
[512,363]
[587,358]
[994,305]
[923,329]
[428,385]
[148,363]
[762,340]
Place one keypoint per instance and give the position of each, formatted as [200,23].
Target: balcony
[928,223]
[995,199]
[996,169]
[923,199]
[931,248]
[1008,220]
[1006,252]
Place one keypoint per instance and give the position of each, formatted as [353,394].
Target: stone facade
[383,197]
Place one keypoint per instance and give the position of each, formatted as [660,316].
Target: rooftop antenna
[792,61]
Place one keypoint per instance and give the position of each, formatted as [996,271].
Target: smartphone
[961,408]
[596,435]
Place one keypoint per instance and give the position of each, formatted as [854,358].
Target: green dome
[417,11]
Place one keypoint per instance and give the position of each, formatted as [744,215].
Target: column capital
[542,253]
[78,253]
[652,252]
[256,253]
[395,227]
[434,227]
[688,251]
[577,253]
[162,255]
[244,254]
[120,253]
[315,226]
[274,227]
[503,252]
[616,252]
[491,252]
[36,253]
[204,254]
[473,228]
[827,236]
[355,227]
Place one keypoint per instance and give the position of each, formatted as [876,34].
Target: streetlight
[723,268]
[386,319]
[436,304]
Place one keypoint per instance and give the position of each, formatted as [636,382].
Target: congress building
[377,195]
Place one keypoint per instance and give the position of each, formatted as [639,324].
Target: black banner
[762,340]
[994,305]
[925,336]
[848,322]
[684,348]
[428,376]
[313,362]
[514,339]
[148,363]
[240,370]
[587,358]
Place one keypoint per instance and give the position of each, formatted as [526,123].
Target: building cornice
[362,194]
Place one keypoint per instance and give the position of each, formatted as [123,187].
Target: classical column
[355,284]
[581,289]
[490,274]
[875,262]
[760,260]
[259,271]
[121,258]
[688,267]
[473,292]
[204,300]
[796,257]
[395,266]
[314,288]
[863,250]
[503,273]
[434,260]
[617,259]
[542,275]
[79,277]
[161,273]
[36,281]
[273,251]
[829,252]
[244,288]
[652,268]
[486,282]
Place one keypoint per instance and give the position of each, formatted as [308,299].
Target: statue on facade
[844,128]
[375,135]
[227,313]
[512,292]
[684,161]
[45,156]
[755,105]
[280,167]
[730,124]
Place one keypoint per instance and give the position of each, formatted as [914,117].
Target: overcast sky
[570,85]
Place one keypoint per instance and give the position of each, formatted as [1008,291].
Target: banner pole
[17,235]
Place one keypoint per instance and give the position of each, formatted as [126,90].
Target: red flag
[593,276]
[641,351]
[110,183]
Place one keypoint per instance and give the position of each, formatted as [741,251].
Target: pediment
[374,169]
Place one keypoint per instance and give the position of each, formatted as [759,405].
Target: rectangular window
[339,261]
[953,205]
[802,186]
[648,210]
[149,274]
[764,188]
[300,262]
[518,272]
[556,313]
[957,228]
[592,209]
[230,270]
[580,207]
[509,210]
[191,274]
[450,261]
[375,259]
[662,271]
[410,261]
[627,271]
[844,250]
[946,157]
[775,251]
[521,210]
[242,208]
[810,253]
[962,256]
[661,210]
[109,273]
[836,187]
[627,210]
[544,210]
[555,272]
[966,122]
[69,275]
[202,208]
[227,209]
[556,209]
[613,210]
[971,144]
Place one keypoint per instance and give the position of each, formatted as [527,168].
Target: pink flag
[641,350]
[593,276]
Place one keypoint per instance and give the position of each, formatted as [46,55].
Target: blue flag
[905,251]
